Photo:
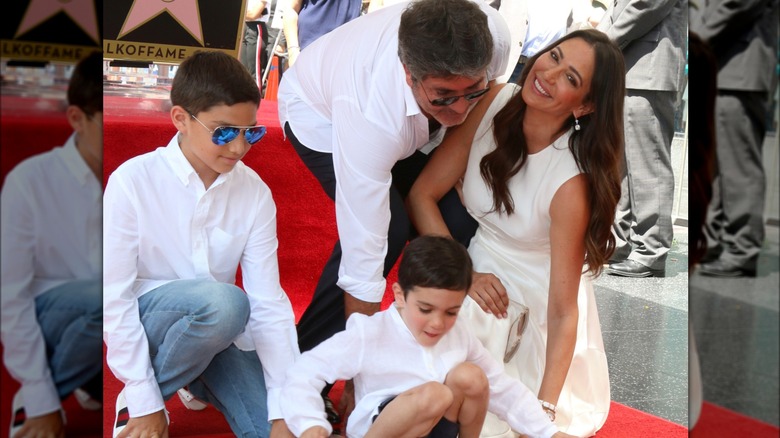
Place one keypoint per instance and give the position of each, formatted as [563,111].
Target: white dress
[516,249]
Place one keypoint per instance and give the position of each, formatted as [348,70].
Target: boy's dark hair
[436,262]
[85,88]
[210,78]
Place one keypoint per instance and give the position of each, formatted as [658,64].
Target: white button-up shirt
[161,225]
[347,95]
[51,220]
[385,359]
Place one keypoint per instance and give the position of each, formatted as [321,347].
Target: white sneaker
[86,401]
[17,414]
[122,414]
[190,401]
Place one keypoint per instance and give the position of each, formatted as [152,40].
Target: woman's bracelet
[549,409]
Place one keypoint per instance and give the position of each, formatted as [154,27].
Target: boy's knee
[469,379]
[224,306]
[434,399]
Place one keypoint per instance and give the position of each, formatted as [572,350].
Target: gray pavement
[645,322]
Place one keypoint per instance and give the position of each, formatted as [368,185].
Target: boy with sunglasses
[417,370]
[178,221]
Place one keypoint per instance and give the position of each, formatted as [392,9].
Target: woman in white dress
[540,168]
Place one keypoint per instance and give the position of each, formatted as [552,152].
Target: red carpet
[718,422]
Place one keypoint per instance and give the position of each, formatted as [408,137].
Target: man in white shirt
[51,248]
[357,106]
[178,221]
[417,370]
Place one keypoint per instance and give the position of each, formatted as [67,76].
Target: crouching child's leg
[455,408]
[187,323]
[413,413]
[470,390]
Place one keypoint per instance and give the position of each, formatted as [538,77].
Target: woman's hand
[490,294]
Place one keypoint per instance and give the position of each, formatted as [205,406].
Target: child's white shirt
[161,225]
[385,359]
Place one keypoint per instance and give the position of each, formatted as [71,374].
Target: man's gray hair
[444,38]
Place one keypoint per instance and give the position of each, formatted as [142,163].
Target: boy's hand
[563,435]
[490,294]
[44,426]
[279,429]
[153,425]
[315,432]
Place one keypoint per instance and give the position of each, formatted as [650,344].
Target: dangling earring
[576,124]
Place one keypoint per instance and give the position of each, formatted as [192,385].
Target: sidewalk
[645,322]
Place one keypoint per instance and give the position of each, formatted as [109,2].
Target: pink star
[81,11]
[185,12]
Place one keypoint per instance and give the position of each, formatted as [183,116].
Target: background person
[51,274]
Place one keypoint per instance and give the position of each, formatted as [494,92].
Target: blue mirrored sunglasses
[222,135]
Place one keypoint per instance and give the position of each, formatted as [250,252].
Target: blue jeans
[71,320]
[191,326]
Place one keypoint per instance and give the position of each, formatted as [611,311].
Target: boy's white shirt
[161,225]
[51,221]
[385,359]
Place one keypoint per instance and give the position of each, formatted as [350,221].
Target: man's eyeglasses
[447,101]
[222,135]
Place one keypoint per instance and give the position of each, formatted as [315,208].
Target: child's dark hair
[436,262]
[85,88]
[210,78]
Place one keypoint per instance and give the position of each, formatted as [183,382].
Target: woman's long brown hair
[597,146]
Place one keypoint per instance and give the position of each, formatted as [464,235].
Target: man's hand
[279,429]
[44,426]
[153,425]
[490,294]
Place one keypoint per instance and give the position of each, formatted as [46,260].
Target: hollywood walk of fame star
[82,12]
[185,12]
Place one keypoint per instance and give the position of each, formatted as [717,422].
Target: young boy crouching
[417,371]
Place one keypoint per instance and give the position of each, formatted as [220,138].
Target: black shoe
[631,268]
[710,256]
[720,268]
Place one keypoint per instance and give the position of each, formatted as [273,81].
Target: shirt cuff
[40,398]
[368,291]
[143,398]
[274,409]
